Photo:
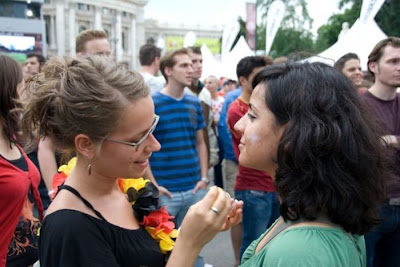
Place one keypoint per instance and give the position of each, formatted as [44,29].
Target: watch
[205,179]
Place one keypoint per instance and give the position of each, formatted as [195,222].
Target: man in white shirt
[149,56]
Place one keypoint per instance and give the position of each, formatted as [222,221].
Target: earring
[89,167]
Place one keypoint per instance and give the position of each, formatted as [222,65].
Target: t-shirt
[247,178]
[14,187]
[387,113]
[153,82]
[223,131]
[176,166]
[72,238]
[308,246]
[216,107]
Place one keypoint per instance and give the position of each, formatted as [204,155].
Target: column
[132,42]
[72,27]
[118,36]
[52,34]
[140,32]
[60,24]
[98,24]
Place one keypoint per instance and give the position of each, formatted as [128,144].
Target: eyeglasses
[138,143]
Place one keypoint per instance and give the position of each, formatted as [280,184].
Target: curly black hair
[330,158]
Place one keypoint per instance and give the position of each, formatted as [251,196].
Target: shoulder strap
[87,203]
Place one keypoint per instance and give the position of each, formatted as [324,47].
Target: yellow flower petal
[174,233]
[138,183]
[66,169]
[166,245]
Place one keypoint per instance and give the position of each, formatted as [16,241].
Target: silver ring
[214,209]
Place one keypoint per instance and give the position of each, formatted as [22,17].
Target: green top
[308,246]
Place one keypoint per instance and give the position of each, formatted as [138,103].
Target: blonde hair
[85,95]
[86,36]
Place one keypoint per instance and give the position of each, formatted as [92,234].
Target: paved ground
[219,253]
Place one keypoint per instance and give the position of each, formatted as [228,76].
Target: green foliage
[293,35]
[289,41]
[388,18]
[242,31]
[291,19]
[328,33]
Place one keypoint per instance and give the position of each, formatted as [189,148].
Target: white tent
[211,66]
[226,68]
[360,39]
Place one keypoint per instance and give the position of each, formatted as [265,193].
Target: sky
[223,12]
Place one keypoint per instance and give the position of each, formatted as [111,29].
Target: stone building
[123,20]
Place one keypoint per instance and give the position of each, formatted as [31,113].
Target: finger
[222,204]
[195,189]
[210,197]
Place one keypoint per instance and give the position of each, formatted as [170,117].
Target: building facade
[22,29]
[124,22]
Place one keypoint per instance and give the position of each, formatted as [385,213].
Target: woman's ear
[85,146]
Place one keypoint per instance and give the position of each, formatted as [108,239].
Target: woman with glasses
[307,128]
[104,114]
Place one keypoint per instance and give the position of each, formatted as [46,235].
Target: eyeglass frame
[141,141]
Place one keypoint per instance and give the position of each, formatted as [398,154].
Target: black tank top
[73,238]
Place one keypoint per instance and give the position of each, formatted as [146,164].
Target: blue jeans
[260,210]
[180,203]
[382,242]
[178,206]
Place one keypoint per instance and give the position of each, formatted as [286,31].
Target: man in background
[254,187]
[149,56]
[92,42]
[197,89]
[34,64]
[349,65]
[382,242]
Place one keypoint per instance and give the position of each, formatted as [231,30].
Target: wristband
[205,179]
[50,193]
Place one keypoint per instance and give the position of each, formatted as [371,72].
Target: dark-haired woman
[19,178]
[307,129]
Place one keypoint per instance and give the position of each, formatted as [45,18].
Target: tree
[388,18]
[289,41]
[291,19]
[293,35]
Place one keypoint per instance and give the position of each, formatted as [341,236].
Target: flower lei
[145,203]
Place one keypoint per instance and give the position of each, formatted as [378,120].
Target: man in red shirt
[254,187]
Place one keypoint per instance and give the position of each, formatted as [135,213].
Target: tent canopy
[360,39]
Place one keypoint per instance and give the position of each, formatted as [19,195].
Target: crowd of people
[299,161]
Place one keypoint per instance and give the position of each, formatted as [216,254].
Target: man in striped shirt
[179,169]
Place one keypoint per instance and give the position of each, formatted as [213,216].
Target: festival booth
[360,39]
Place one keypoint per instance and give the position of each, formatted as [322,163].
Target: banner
[251,24]
[190,39]
[228,37]
[369,9]
[275,14]
[176,42]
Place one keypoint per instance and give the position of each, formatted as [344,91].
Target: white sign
[228,37]
[275,14]
[369,9]
[190,39]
